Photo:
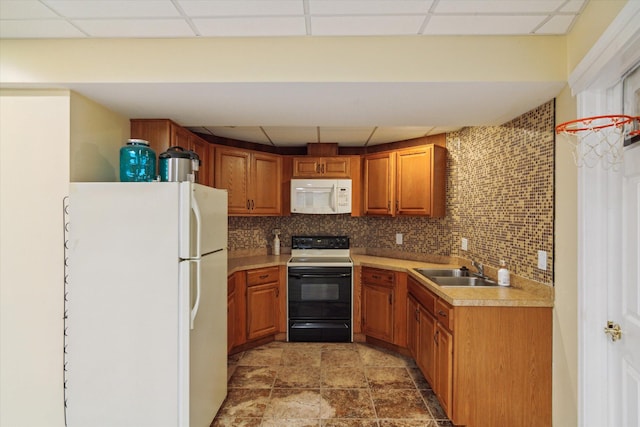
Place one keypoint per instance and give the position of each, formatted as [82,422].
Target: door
[624,309]
[209,218]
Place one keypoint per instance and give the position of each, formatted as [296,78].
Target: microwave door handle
[334,197]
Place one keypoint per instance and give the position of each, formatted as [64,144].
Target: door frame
[597,83]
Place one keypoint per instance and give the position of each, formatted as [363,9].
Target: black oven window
[320,292]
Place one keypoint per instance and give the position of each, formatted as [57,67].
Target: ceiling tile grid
[244,18]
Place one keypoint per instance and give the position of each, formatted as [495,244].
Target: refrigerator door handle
[196,304]
[198,225]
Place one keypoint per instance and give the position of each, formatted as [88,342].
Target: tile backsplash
[500,187]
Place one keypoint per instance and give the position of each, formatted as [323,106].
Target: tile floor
[327,385]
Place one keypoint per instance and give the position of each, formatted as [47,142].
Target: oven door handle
[320,276]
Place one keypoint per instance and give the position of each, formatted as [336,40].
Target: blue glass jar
[137,162]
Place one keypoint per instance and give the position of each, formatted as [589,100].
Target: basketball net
[598,139]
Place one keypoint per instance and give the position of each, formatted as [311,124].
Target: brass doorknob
[613,330]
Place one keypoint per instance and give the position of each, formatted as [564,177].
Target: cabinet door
[379,177]
[306,167]
[426,359]
[413,320]
[413,181]
[377,308]
[444,374]
[262,310]
[232,174]
[265,184]
[336,167]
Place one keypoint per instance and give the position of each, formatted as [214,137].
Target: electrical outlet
[465,244]
[398,238]
[542,260]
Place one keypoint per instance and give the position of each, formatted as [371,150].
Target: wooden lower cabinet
[489,366]
[255,306]
[263,302]
[262,310]
[378,303]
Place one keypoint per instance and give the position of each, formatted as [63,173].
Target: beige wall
[47,139]
[286,59]
[34,177]
[96,137]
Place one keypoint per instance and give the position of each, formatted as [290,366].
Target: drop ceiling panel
[115,8]
[39,29]
[292,135]
[24,9]
[365,25]
[497,6]
[251,26]
[396,133]
[557,24]
[209,8]
[346,135]
[481,24]
[369,7]
[135,27]
[242,133]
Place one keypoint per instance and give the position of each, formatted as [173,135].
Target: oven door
[319,304]
[319,293]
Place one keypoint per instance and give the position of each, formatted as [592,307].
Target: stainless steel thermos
[178,164]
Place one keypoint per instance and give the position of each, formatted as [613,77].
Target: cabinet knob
[442,313]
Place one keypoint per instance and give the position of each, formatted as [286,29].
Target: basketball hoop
[599,137]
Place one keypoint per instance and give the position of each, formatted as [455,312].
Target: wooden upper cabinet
[252,179]
[325,167]
[379,179]
[416,183]
[164,133]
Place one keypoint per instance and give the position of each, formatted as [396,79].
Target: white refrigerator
[145,304]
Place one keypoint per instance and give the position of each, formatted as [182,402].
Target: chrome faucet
[480,268]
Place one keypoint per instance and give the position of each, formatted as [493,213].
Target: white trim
[615,52]
[596,81]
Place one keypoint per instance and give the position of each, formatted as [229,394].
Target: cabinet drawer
[378,277]
[422,295]
[444,314]
[262,275]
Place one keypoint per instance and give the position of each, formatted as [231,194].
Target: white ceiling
[353,114]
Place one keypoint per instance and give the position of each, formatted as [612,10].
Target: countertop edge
[488,297]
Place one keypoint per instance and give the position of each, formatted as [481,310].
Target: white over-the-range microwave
[321,196]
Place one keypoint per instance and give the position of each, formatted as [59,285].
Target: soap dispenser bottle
[276,242]
[503,274]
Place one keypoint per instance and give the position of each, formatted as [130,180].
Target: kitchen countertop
[456,296]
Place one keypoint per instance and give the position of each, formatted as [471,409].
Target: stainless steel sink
[442,272]
[462,281]
[454,277]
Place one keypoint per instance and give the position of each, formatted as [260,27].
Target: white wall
[34,177]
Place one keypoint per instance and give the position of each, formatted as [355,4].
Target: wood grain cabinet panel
[489,366]
[410,181]
[164,133]
[322,167]
[252,179]
[263,302]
